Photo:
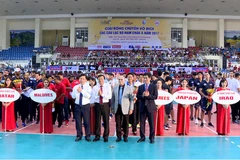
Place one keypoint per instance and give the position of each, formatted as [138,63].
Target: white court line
[213,131]
[115,133]
[19,129]
[24,127]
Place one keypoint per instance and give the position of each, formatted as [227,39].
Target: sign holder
[161,104]
[188,100]
[225,98]
[43,119]
[5,107]
[13,95]
[48,97]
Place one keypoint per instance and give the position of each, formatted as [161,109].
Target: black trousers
[82,112]
[0,111]
[150,115]
[235,111]
[58,114]
[24,108]
[34,107]
[17,108]
[104,111]
[71,102]
[134,118]
[119,117]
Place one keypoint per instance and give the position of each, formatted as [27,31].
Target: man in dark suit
[147,93]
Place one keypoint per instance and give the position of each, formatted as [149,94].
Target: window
[213,62]
[176,33]
[82,33]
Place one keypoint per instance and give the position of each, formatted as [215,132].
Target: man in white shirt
[217,81]
[234,85]
[82,94]
[101,94]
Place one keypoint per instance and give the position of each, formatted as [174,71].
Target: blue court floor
[37,146]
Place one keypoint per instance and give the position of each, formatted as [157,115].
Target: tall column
[220,33]
[72,32]
[4,34]
[185,33]
[38,33]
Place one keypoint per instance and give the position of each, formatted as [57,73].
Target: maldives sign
[43,95]
[186,97]
[163,98]
[8,95]
[226,97]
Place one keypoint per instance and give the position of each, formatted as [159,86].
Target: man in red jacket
[59,101]
[68,89]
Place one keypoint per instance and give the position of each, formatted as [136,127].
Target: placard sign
[8,95]
[43,95]
[163,98]
[186,97]
[226,97]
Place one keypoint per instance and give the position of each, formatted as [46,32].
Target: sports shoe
[204,121]
[191,118]
[169,126]
[174,122]
[166,127]
[138,125]
[66,122]
[210,124]
[202,125]
[24,124]
[196,121]
[129,125]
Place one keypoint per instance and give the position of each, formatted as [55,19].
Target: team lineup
[133,99]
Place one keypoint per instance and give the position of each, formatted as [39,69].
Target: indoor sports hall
[55,38]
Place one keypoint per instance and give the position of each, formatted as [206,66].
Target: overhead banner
[183,69]
[70,68]
[126,34]
[127,70]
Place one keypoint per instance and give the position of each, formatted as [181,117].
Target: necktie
[80,98]
[120,96]
[101,98]
[146,87]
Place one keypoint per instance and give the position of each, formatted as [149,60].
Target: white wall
[202,24]
[56,24]
[1,34]
[26,24]
[232,25]
[64,24]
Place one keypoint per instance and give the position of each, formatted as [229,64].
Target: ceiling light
[36,1]
[202,0]
[197,9]
[17,2]
[223,1]
[216,10]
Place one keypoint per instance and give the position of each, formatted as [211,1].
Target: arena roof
[79,7]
